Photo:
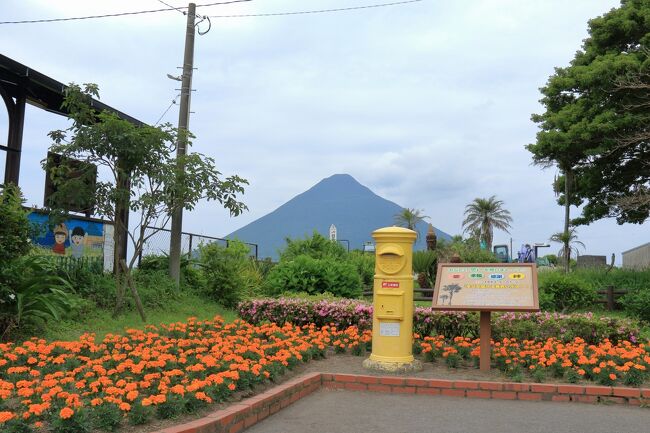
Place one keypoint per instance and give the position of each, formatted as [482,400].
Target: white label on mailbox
[387,329]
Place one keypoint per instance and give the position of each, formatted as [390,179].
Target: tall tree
[594,128]
[139,174]
[410,218]
[483,215]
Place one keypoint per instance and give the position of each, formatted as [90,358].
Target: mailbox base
[391,365]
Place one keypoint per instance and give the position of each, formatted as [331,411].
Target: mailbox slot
[389,304]
[391,259]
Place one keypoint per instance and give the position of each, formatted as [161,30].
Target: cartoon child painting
[60,234]
[77,242]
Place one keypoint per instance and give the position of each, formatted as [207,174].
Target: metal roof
[42,91]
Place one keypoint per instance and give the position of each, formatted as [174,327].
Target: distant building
[637,258]
[586,261]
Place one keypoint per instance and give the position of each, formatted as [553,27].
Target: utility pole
[181,149]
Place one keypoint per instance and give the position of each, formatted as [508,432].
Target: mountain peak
[339,199]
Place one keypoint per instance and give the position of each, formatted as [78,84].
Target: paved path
[337,411]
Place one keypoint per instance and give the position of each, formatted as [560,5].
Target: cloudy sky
[428,104]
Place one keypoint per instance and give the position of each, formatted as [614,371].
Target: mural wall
[74,238]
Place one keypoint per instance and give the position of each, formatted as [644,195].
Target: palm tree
[483,215]
[410,218]
[569,243]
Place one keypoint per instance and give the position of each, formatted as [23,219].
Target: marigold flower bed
[173,369]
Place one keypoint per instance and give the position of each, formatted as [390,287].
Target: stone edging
[250,411]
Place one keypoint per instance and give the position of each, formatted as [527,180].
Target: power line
[318,11]
[119,14]
[172,7]
[168,108]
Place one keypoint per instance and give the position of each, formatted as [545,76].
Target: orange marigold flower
[232,387]
[125,407]
[66,413]
[6,416]
[612,376]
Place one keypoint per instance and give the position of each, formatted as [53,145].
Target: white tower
[332,232]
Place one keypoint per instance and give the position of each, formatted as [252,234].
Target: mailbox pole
[392,317]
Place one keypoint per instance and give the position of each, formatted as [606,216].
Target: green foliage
[15,228]
[564,292]
[107,417]
[483,215]
[228,272]
[155,288]
[410,218]
[160,262]
[139,415]
[17,425]
[594,126]
[365,264]
[32,293]
[637,302]
[317,246]
[426,262]
[468,250]
[311,275]
[78,423]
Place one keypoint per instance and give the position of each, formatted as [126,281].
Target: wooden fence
[610,294]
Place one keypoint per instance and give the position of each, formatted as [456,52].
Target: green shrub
[468,250]
[225,272]
[107,417]
[426,262]
[562,292]
[307,274]
[317,246]
[15,229]
[365,264]
[154,288]
[637,302]
[32,293]
[160,262]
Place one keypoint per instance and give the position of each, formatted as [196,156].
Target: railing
[611,296]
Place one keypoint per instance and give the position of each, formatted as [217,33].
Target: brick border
[250,411]
[491,390]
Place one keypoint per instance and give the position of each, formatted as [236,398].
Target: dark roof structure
[40,90]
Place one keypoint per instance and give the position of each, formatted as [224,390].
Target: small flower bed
[426,321]
[606,363]
[160,372]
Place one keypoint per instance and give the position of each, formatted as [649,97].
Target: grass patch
[101,322]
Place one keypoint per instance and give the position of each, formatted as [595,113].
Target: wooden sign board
[486,287]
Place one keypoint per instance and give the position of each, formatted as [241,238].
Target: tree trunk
[567,206]
[121,225]
[134,291]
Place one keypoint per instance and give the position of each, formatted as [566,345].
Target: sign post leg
[485,333]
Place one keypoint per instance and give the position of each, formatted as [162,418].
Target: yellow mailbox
[392,321]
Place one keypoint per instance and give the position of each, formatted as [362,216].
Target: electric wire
[167,110]
[317,11]
[171,8]
[119,14]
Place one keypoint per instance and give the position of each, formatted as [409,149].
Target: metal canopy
[40,90]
